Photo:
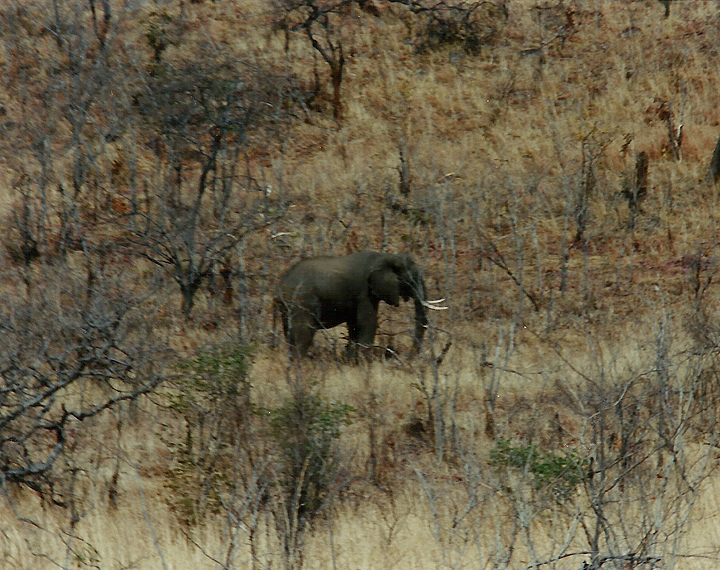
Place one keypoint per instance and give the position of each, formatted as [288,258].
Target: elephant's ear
[385,285]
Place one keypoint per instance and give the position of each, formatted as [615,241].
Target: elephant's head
[397,276]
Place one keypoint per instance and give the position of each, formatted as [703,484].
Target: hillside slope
[546,164]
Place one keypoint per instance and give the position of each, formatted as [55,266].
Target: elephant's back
[329,265]
[327,276]
[306,269]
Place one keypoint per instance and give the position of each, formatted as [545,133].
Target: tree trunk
[666,3]
[336,72]
[188,298]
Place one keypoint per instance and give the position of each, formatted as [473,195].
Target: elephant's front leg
[361,329]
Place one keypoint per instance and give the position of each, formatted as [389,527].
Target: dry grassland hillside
[550,165]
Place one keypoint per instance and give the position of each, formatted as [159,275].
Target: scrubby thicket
[551,166]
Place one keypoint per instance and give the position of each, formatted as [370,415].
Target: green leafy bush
[305,429]
[558,474]
[212,395]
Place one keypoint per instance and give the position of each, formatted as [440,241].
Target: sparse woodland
[552,166]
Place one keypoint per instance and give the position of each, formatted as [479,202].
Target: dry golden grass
[390,525]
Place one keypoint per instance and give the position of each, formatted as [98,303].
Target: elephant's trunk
[421,319]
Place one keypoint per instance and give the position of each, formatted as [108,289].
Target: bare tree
[200,203]
[469,25]
[71,106]
[77,346]
[635,189]
[324,23]
[321,22]
[73,341]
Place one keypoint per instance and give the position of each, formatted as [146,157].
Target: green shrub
[212,396]
[304,430]
[552,472]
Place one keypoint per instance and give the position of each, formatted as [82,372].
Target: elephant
[324,292]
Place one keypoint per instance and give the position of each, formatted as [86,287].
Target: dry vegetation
[547,164]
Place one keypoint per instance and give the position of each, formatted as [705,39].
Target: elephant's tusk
[281,234]
[432,305]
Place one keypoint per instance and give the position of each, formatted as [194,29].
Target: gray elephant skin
[324,292]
